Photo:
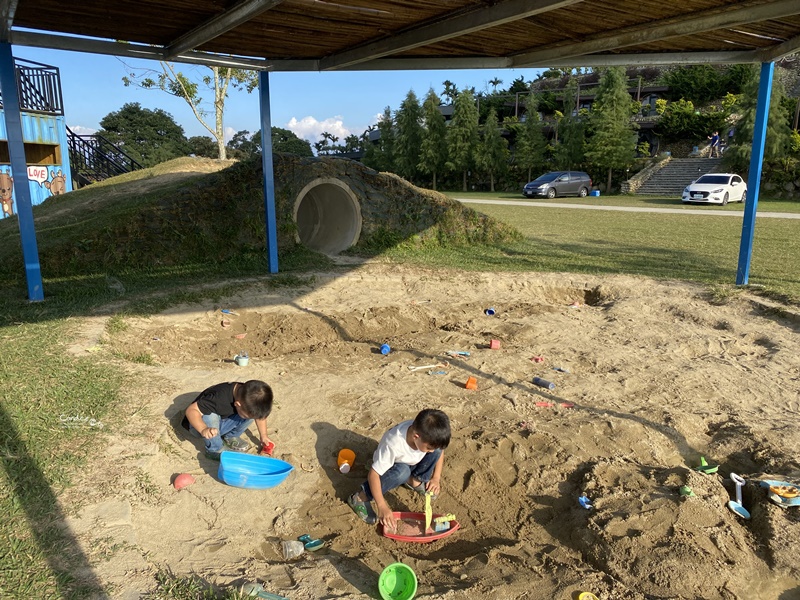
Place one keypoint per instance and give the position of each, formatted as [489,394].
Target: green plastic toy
[706,468]
[397,582]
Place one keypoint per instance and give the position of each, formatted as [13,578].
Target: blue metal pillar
[19,171]
[754,179]
[269,176]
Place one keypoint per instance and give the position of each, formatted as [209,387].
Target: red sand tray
[410,525]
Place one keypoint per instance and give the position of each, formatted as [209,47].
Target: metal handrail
[96,158]
[39,87]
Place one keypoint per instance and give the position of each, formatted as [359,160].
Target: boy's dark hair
[433,427]
[256,399]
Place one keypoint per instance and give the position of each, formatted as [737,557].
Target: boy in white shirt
[410,454]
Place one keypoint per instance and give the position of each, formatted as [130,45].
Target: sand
[655,375]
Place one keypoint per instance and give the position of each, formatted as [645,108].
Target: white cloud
[81,130]
[310,129]
[229,133]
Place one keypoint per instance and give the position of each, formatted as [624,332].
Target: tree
[409,137]
[327,145]
[697,83]
[571,130]
[778,138]
[380,155]
[613,140]
[148,136]
[450,91]
[494,83]
[176,83]
[462,135]
[202,145]
[243,145]
[492,152]
[519,85]
[352,143]
[433,151]
[287,141]
[677,120]
[531,143]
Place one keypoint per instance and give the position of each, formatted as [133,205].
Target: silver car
[559,183]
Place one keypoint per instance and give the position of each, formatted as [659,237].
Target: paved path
[674,211]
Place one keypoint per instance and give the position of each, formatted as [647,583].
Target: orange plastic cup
[472,383]
[494,344]
[346,459]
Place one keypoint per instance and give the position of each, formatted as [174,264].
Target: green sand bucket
[397,582]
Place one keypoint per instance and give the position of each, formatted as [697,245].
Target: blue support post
[754,179]
[19,171]
[269,176]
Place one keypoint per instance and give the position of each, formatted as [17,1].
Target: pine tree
[462,135]
[531,143]
[433,152]
[380,155]
[570,151]
[613,141]
[408,137]
[778,131]
[492,152]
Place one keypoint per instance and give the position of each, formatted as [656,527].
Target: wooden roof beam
[395,64]
[658,58]
[590,60]
[659,30]
[779,51]
[216,26]
[8,9]
[455,26]
[95,46]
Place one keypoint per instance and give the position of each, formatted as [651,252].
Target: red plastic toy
[417,520]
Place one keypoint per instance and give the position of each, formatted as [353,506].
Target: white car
[716,188]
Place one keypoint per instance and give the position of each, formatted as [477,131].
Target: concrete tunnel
[328,216]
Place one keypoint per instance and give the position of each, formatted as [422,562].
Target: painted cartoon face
[6,189]
[57,185]
[6,186]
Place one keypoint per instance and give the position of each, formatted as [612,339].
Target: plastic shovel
[736,505]
[428,511]
[440,365]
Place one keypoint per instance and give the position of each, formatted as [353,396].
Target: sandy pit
[658,375]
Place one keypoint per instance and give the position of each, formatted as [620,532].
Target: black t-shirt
[218,399]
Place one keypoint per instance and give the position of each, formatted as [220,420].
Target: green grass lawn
[764,204]
[694,247]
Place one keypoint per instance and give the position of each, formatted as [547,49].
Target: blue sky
[307,103]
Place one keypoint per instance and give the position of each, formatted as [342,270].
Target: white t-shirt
[393,448]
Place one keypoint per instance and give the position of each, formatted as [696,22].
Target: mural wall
[47,158]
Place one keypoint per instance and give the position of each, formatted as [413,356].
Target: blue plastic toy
[252,471]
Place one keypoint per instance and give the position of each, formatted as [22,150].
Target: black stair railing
[39,87]
[94,158]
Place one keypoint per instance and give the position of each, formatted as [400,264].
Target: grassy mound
[202,212]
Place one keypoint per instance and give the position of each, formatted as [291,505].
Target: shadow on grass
[69,566]
[604,257]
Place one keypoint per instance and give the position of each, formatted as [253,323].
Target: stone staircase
[676,175]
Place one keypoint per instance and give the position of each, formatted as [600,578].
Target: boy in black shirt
[223,412]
